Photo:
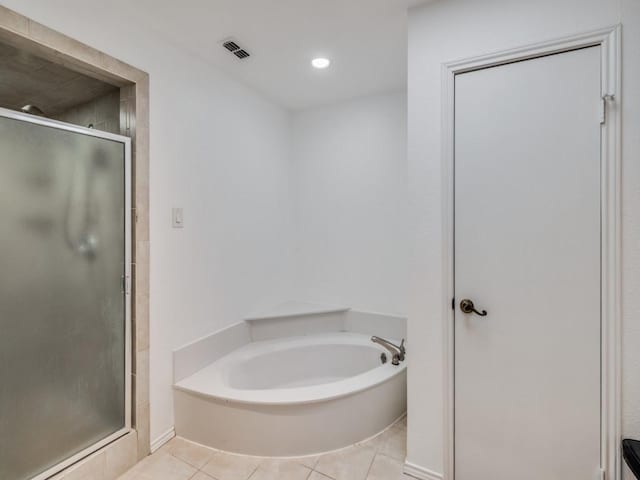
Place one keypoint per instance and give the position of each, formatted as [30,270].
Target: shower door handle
[467,306]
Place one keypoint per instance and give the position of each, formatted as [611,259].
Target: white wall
[221,152]
[447,30]
[350,181]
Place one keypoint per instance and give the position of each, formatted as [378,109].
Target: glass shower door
[64,311]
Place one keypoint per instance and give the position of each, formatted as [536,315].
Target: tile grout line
[320,473]
[371,464]
[254,471]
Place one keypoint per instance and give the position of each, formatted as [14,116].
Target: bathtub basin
[292,396]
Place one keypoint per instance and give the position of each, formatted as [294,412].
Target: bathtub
[292,396]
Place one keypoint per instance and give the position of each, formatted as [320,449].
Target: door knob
[467,306]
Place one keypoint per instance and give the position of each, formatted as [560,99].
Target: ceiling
[26,79]
[365,40]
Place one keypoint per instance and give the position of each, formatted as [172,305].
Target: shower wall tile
[119,68]
[142,213]
[107,109]
[106,464]
[142,150]
[103,113]
[121,455]
[14,21]
[93,468]
[141,323]
[142,131]
[135,300]
[142,378]
[127,110]
[59,41]
[140,385]
[142,427]
[142,270]
[141,404]
[142,102]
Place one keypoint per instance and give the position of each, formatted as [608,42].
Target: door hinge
[125,284]
[603,106]
[602,475]
[453,303]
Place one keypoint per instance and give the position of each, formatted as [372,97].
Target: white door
[527,249]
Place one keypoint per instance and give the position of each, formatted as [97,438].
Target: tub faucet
[397,352]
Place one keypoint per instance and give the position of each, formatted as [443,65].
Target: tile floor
[379,458]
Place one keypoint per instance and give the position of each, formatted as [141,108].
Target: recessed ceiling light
[320,62]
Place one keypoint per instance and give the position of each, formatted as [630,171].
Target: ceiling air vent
[242,53]
[236,49]
[231,45]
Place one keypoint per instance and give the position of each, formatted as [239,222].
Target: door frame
[609,40]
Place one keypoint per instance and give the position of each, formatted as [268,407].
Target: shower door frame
[126,141]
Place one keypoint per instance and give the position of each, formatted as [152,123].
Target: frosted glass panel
[62,308]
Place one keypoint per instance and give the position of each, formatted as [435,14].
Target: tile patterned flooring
[379,458]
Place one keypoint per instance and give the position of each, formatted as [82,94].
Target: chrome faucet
[398,352]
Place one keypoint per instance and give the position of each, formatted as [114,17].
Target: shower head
[33,110]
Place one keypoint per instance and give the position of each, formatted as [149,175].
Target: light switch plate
[177,218]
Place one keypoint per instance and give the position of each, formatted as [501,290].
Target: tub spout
[398,352]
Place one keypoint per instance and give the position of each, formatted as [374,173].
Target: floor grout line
[323,474]
[371,464]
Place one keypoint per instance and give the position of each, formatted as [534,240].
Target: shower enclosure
[64,299]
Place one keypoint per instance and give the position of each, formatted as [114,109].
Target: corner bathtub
[292,396]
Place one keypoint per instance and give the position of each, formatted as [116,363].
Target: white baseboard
[162,439]
[420,473]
